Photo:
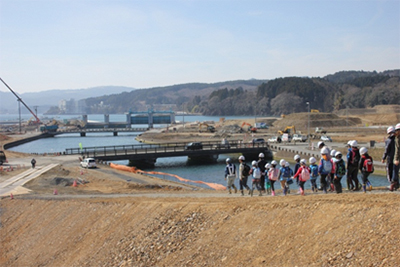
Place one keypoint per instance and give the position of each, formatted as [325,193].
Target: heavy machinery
[51,127]
[250,128]
[2,157]
[314,111]
[288,130]
[206,128]
[20,100]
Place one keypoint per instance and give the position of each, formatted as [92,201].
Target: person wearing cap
[314,174]
[352,165]
[366,168]
[230,175]
[340,171]
[388,156]
[396,162]
[350,184]
[261,164]
[243,176]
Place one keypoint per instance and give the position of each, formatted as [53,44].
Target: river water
[213,173]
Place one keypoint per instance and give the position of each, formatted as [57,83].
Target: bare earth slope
[352,229]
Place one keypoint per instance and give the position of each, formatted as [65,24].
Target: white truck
[299,138]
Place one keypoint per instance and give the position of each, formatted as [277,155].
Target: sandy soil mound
[352,229]
[300,121]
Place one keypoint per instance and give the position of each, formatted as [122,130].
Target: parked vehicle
[275,139]
[224,144]
[2,157]
[320,130]
[326,138]
[299,138]
[258,141]
[88,163]
[194,146]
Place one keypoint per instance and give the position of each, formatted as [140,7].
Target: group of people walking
[330,170]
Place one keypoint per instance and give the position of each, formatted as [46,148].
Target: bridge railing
[158,148]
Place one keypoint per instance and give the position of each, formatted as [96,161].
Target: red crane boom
[19,99]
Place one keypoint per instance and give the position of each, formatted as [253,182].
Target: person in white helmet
[314,174]
[296,166]
[304,175]
[366,168]
[261,164]
[396,161]
[352,165]
[244,172]
[230,175]
[325,168]
[273,175]
[388,156]
[286,173]
[256,172]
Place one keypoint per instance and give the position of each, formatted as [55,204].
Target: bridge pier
[115,133]
[83,134]
[143,163]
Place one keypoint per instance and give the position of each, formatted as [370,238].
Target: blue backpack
[285,172]
[314,170]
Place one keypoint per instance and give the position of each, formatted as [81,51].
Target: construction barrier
[135,170]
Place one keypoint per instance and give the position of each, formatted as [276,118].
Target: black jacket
[388,155]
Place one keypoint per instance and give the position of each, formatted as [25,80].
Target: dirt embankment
[317,230]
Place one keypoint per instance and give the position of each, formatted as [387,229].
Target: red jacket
[298,173]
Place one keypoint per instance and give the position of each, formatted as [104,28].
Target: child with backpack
[303,174]
[273,175]
[244,173]
[340,171]
[314,174]
[256,172]
[286,173]
[325,168]
[366,168]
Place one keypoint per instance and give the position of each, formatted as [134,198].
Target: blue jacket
[321,169]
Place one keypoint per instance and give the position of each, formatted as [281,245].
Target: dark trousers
[364,176]
[301,184]
[389,171]
[256,184]
[323,182]
[352,173]
[262,182]
[243,183]
[272,185]
[395,178]
[338,185]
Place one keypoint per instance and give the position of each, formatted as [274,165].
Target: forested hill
[352,89]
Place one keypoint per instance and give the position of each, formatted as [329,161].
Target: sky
[71,44]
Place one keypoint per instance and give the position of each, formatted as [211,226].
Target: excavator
[250,128]
[314,111]
[289,130]
[209,128]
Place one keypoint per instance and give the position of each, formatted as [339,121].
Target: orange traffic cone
[74,184]
[55,192]
[11,196]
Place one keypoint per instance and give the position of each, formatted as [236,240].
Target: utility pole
[308,131]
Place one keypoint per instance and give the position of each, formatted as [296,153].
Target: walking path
[14,184]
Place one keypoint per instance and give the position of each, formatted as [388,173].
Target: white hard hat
[254,163]
[363,150]
[390,130]
[325,151]
[282,162]
[312,160]
[320,143]
[268,165]
[397,127]
[338,153]
[287,164]
[228,160]
[274,162]
[241,158]
[296,157]
[261,155]
[303,161]
[333,152]
[353,143]
[349,143]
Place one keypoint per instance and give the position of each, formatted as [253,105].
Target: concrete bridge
[148,153]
